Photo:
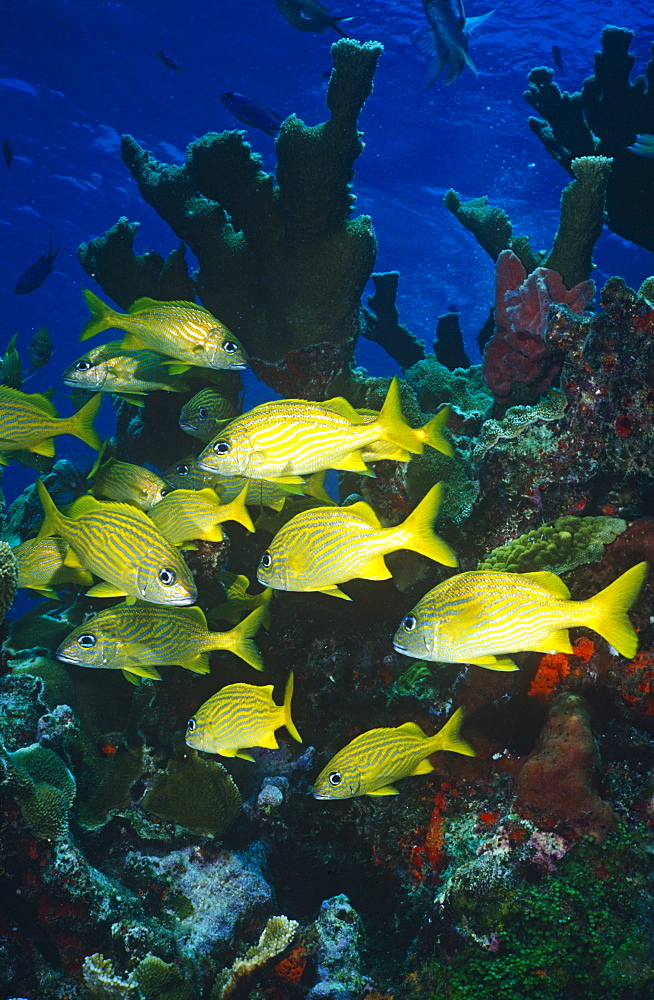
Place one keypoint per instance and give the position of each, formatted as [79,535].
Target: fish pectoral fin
[549,581]
[352,463]
[177,367]
[424,41]
[287,480]
[557,641]
[130,677]
[142,670]
[132,398]
[384,790]
[375,569]
[105,589]
[493,662]
[198,664]
[243,754]
[424,767]
[71,559]
[334,592]
[45,448]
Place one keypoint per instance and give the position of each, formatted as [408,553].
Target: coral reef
[275,938]
[8,579]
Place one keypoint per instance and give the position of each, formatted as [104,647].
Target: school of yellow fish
[123,539]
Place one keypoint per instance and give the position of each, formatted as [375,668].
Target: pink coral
[517,351]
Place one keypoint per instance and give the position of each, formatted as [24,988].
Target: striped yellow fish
[41,567]
[180,330]
[188,475]
[240,716]
[284,440]
[431,433]
[204,414]
[372,761]
[138,638]
[122,546]
[11,368]
[128,483]
[186,515]
[239,602]
[29,423]
[325,546]
[128,374]
[480,616]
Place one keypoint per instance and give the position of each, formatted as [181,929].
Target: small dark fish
[251,113]
[11,368]
[38,272]
[309,15]
[556,56]
[170,61]
[40,349]
[8,153]
[445,39]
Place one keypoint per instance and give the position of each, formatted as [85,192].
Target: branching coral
[275,938]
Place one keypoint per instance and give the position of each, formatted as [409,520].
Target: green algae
[559,546]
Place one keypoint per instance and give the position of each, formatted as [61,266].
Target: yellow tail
[611,606]
[432,434]
[419,531]
[52,520]
[81,424]
[449,737]
[239,640]
[102,316]
[393,426]
[288,722]
[238,511]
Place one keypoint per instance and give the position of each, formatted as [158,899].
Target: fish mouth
[178,601]
[398,647]
[185,426]
[68,659]
[317,795]
[240,367]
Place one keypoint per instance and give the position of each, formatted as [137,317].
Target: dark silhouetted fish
[556,56]
[309,15]
[40,348]
[7,152]
[251,113]
[445,39]
[643,145]
[170,61]
[38,272]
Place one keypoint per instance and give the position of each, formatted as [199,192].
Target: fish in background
[125,482]
[8,153]
[40,349]
[170,61]
[183,516]
[42,566]
[11,368]
[556,56]
[445,39]
[643,145]
[30,422]
[127,374]
[205,413]
[309,15]
[252,113]
[36,274]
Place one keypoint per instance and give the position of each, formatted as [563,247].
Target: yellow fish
[186,515]
[283,440]
[121,545]
[30,422]
[128,374]
[180,330]
[204,414]
[239,601]
[239,716]
[123,481]
[372,761]
[186,474]
[480,616]
[41,566]
[325,546]
[137,638]
[431,433]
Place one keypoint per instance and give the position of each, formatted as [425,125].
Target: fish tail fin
[239,512]
[52,516]
[432,434]
[288,722]
[392,423]
[611,606]
[81,424]
[449,737]
[102,316]
[241,641]
[419,531]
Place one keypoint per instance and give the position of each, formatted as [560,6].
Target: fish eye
[86,641]
[190,728]
[221,447]
[266,560]
[203,412]
[335,778]
[167,577]
[409,623]
[82,366]
[229,347]
[182,470]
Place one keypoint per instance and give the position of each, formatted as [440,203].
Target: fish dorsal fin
[193,614]
[42,402]
[85,505]
[364,512]
[341,406]
[146,303]
[551,582]
[412,729]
